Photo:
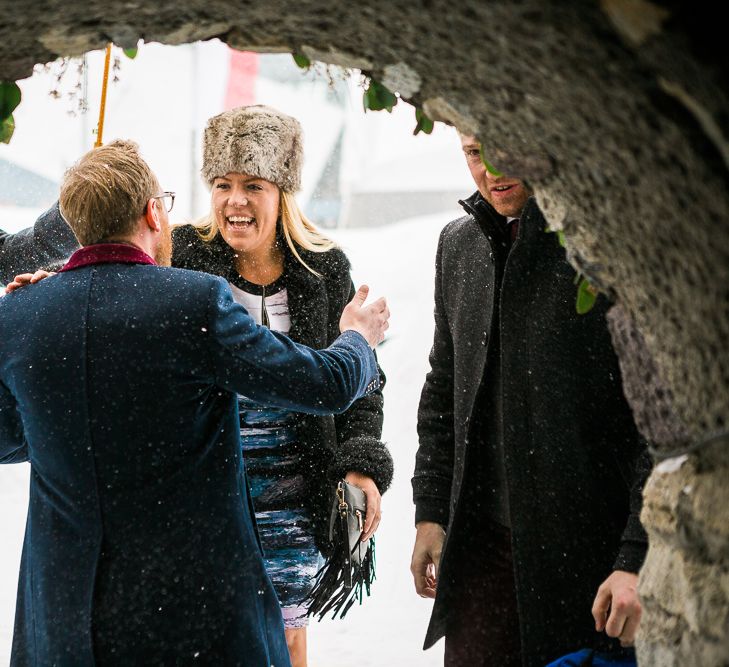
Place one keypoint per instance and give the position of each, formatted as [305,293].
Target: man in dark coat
[49,240]
[529,473]
[120,389]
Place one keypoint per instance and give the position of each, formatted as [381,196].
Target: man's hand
[26,279]
[618,596]
[371,321]
[374,502]
[426,557]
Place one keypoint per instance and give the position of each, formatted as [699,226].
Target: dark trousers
[483,626]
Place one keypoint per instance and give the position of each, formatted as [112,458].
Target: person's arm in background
[434,460]
[49,241]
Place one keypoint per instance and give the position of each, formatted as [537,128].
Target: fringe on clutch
[350,568]
[335,591]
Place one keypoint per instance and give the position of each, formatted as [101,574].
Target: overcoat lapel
[469,305]
[308,304]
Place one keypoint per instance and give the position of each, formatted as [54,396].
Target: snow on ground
[388,629]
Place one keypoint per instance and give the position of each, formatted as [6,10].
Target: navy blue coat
[118,383]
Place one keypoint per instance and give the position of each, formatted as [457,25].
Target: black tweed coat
[331,445]
[45,245]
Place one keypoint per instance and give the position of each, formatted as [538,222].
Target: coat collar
[492,223]
[479,208]
[107,253]
[308,302]
[307,295]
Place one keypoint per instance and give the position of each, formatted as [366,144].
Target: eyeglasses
[165,196]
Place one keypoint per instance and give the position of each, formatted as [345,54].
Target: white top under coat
[277,306]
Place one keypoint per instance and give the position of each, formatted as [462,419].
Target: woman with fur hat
[295,280]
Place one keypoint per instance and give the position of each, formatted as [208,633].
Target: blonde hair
[105,192]
[298,230]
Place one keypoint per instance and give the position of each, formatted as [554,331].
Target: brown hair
[106,191]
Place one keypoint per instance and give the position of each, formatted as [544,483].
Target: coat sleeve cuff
[633,546]
[436,487]
[433,510]
[630,557]
[371,369]
[366,456]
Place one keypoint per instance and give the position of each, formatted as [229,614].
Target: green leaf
[131,53]
[9,98]
[560,237]
[301,60]
[424,124]
[366,100]
[586,297]
[7,127]
[490,168]
[377,97]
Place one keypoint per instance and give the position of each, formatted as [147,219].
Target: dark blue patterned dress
[271,459]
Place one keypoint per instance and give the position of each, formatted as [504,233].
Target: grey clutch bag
[348,517]
[350,569]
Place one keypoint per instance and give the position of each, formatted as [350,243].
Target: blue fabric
[272,458]
[118,383]
[590,658]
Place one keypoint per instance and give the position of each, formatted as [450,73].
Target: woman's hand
[374,502]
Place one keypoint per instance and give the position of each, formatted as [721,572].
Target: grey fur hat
[256,140]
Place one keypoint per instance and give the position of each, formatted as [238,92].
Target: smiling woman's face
[246,209]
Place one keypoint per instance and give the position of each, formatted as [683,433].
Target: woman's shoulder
[185,236]
[332,263]
[190,251]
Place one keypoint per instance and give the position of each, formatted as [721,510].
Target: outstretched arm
[270,368]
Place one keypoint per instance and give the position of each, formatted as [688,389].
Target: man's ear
[151,215]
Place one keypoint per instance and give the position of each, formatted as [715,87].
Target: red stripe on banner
[241,89]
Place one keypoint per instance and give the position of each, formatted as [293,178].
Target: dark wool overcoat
[574,462]
[120,388]
[48,241]
[331,446]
